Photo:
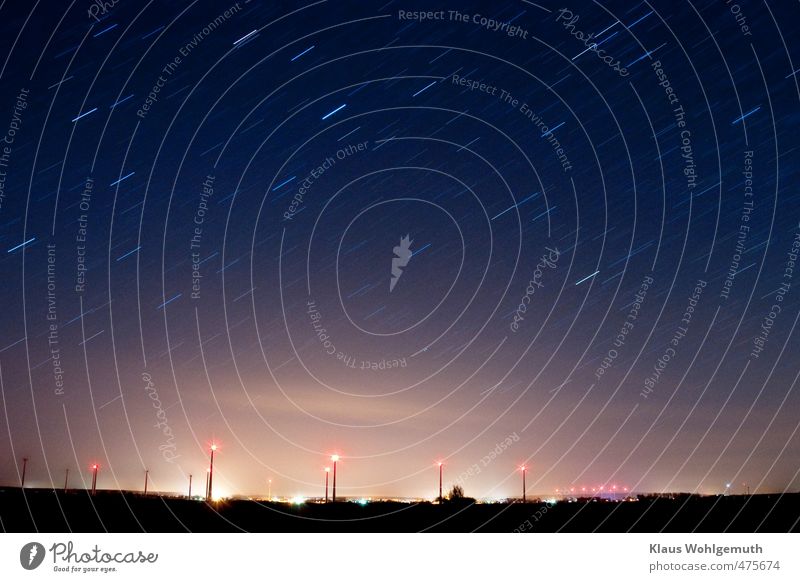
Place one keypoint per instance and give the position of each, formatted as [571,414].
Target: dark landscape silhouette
[46,510]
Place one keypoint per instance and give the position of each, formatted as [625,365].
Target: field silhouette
[45,510]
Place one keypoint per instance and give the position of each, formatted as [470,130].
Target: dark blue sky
[202,207]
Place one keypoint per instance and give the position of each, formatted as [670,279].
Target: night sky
[473,234]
